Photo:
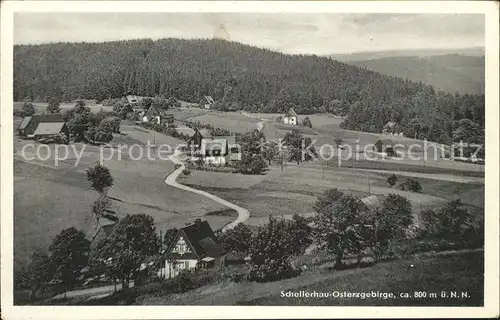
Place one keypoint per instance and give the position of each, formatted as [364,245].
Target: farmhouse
[209,101]
[102,231]
[218,150]
[30,124]
[50,129]
[372,202]
[132,99]
[385,146]
[290,117]
[195,247]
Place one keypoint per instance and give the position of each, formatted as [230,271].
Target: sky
[307,33]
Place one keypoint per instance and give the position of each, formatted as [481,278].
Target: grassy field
[456,272]
[432,275]
[294,190]
[50,198]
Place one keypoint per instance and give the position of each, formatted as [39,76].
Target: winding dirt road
[243,214]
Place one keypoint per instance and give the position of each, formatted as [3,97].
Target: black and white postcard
[212,159]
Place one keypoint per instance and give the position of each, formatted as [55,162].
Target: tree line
[241,77]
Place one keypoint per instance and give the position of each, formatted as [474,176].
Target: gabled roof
[291,113]
[209,99]
[372,202]
[24,123]
[205,133]
[202,239]
[48,118]
[49,128]
[384,142]
[212,248]
[152,111]
[215,144]
[231,140]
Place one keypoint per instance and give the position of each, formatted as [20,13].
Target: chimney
[197,222]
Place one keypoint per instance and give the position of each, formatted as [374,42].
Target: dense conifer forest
[239,77]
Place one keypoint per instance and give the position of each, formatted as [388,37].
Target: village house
[158,116]
[42,125]
[385,146]
[195,247]
[372,202]
[290,117]
[215,150]
[101,231]
[132,99]
[209,101]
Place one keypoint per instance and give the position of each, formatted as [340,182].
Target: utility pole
[323,170]
[369,182]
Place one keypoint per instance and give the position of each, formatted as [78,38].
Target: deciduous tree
[69,253]
[100,178]
[270,253]
[132,243]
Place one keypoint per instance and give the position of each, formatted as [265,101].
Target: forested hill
[451,73]
[241,76]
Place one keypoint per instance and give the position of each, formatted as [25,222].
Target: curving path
[243,214]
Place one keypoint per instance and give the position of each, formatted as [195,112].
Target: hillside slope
[450,73]
[239,77]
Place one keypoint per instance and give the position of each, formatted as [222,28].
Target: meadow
[431,273]
[139,186]
[50,198]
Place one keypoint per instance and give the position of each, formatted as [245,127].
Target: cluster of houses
[42,126]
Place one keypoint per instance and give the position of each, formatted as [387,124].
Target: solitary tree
[307,122]
[132,242]
[100,178]
[101,207]
[410,184]
[69,254]
[391,180]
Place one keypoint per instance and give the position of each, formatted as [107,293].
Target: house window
[181,247]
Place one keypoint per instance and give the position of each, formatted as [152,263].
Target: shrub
[19,113]
[410,184]
[391,180]
[186,172]
[28,109]
[307,122]
[252,164]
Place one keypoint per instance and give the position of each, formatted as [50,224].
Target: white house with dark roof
[290,117]
[195,247]
[215,150]
[209,101]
